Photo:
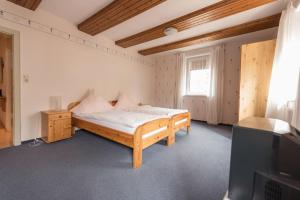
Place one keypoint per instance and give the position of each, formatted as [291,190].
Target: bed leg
[188,129]
[171,138]
[137,151]
[189,124]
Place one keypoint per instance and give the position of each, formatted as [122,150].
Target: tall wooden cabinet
[256,69]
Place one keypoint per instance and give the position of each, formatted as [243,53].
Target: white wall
[165,78]
[57,67]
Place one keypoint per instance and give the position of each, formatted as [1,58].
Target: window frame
[187,71]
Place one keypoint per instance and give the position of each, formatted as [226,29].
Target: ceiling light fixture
[170,31]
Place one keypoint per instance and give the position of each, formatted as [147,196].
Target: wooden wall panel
[257,25]
[208,14]
[256,70]
[30,4]
[115,13]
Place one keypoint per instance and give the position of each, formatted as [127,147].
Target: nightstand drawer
[59,116]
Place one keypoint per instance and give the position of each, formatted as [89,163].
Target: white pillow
[92,104]
[124,102]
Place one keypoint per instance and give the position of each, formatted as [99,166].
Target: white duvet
[125,118]
[155,110]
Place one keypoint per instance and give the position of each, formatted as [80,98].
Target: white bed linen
[116,120]
[156,110]
[125,118]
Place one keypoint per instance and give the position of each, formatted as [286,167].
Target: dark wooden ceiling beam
[29,4]
[257,25]
[208,14]
[115,13]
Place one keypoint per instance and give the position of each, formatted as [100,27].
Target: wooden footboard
[161,126]
[183,124]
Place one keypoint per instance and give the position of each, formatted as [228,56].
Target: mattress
[113,123]
[157,110]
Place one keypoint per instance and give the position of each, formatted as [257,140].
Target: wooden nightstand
[56,125]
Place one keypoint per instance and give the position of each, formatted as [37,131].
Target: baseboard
[28,141]
[222,124]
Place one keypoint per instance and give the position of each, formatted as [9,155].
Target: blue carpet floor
[88,167]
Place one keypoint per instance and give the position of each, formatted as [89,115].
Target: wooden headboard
[74,104]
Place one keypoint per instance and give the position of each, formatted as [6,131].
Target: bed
[138,138]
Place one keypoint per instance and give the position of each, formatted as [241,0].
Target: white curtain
[285,74]
[180,79]
[296,115]
[215,95]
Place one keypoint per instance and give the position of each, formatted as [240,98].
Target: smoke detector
[170,31]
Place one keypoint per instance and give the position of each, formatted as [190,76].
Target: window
[198,75]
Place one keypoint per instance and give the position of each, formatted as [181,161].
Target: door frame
[16,84]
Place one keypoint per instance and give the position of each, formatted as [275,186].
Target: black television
[283,182]
[265,160]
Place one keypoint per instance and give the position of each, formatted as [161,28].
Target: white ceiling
[76,11]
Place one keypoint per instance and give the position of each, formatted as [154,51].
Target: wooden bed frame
[135,141]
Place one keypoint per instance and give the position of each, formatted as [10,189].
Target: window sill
[195,95]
